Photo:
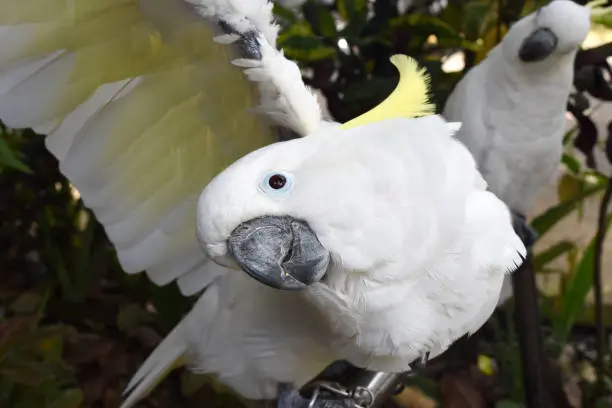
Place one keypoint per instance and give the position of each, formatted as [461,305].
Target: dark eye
[277,181]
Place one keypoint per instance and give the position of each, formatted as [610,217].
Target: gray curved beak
[538,46]
[279,251]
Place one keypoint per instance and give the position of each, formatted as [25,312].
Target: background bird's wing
[143,102]
[465,104]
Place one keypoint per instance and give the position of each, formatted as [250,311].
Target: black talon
[420,363]
[248,44]
[522,228]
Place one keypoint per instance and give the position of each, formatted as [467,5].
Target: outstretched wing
[143,102]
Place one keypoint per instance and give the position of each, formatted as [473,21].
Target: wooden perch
[527,322]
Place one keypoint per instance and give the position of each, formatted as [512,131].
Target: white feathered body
[513,112]
[420,252]
[513,119]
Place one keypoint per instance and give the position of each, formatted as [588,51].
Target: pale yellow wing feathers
[52,10]
[60,134]
[142,108]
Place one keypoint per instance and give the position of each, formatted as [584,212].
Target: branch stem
[598,289]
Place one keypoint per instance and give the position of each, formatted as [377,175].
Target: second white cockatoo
[513,106]
[374,241]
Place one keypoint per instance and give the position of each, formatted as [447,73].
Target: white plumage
[144,102]
[420,248]
[513,111]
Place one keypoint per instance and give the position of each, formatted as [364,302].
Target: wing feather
[199,277]
[143,102]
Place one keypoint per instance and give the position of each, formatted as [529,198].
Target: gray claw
[522,228]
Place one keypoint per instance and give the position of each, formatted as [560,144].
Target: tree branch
[527,322]
[598,288]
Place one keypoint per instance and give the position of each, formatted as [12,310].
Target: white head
[247,220]
[548,34]
[283,212]
[261,213]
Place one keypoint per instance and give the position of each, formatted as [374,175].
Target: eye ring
[277,183]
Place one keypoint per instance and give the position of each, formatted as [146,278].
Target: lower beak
[538,46]
[279,251]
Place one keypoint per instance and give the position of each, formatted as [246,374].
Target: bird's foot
[522,228]
[342,385]
[414,368]
[289,397]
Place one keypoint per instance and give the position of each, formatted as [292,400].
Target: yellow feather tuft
[408,100]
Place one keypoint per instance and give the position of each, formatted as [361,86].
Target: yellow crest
[408,100]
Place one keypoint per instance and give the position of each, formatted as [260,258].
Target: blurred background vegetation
[74,327]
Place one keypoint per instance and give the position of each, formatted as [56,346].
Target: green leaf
[51,347]
[477,17]
[29,373]
[299,43]
[307,49]
[8,158]
[425,25]
[26,303]
[320,19]
[605,20]
[192,382]
[507,404]
[352,9]
[602,403]
[572,163]
[544,222]
[569,186]
[607,380]
[301,28]
[13,331]
[30,400]
[132,315]
[551,253]
[572,301]
[532,5]
[284,13]
[72,398]
[355,13]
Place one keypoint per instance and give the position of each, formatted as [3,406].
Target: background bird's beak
[279,251]
[538,46]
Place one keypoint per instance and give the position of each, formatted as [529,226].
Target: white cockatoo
[382,226]
[512,106]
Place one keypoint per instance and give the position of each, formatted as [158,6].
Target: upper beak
[279,251]
[538,46]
